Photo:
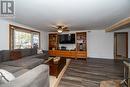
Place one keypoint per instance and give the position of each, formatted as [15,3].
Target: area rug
[82,73]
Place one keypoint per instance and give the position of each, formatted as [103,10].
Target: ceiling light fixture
[59,30]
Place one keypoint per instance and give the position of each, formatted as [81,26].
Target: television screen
[67,39]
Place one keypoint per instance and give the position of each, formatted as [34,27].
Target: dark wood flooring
[82,73]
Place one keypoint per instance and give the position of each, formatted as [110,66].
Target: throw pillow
[39,51]
[14,55]
[6,76]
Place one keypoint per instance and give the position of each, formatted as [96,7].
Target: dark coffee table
[56,67]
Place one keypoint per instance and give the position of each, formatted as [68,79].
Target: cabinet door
[81,54]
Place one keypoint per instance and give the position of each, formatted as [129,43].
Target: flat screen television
[67,39]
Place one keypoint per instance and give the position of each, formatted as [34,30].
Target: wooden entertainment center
[79,52]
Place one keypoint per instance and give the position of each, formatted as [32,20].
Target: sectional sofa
[27,66]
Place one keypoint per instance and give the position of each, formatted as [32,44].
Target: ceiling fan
[60,28]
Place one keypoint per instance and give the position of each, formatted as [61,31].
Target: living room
[41,19]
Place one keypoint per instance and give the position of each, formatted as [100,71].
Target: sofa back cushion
[5,55]
[0,56]
[45,51]
[25,52]
[33,51]
[14,55]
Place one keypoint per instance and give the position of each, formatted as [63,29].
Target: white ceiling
[80,14]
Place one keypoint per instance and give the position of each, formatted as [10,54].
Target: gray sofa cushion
[6,55]
[33,51]
[38,56]
[25,62]
[29,57]
[45,51]
[11,69]
[25,52]
[41,56]
[28,52]
[20,72]
[0,56]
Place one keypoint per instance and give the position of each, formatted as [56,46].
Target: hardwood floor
[81,73]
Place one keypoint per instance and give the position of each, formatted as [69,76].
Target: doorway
[120,45]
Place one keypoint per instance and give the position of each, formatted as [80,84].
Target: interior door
[121,45]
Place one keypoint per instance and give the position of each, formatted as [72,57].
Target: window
[23,38]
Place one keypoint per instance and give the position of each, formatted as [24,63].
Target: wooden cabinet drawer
[81,54]
[61,53]
[53,52]
[72,54]
[50,52]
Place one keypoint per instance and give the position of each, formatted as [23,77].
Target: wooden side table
[55,68]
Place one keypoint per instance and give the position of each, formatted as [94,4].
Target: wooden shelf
[53,41]
[81,43]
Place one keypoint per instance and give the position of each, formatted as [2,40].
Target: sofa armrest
[37,77]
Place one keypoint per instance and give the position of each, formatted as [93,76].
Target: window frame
[11,34]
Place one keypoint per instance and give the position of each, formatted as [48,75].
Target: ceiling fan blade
[66,30]
[65,27]
[53,26]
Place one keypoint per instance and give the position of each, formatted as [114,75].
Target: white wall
[44,40]
[4,35]
[100,44]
